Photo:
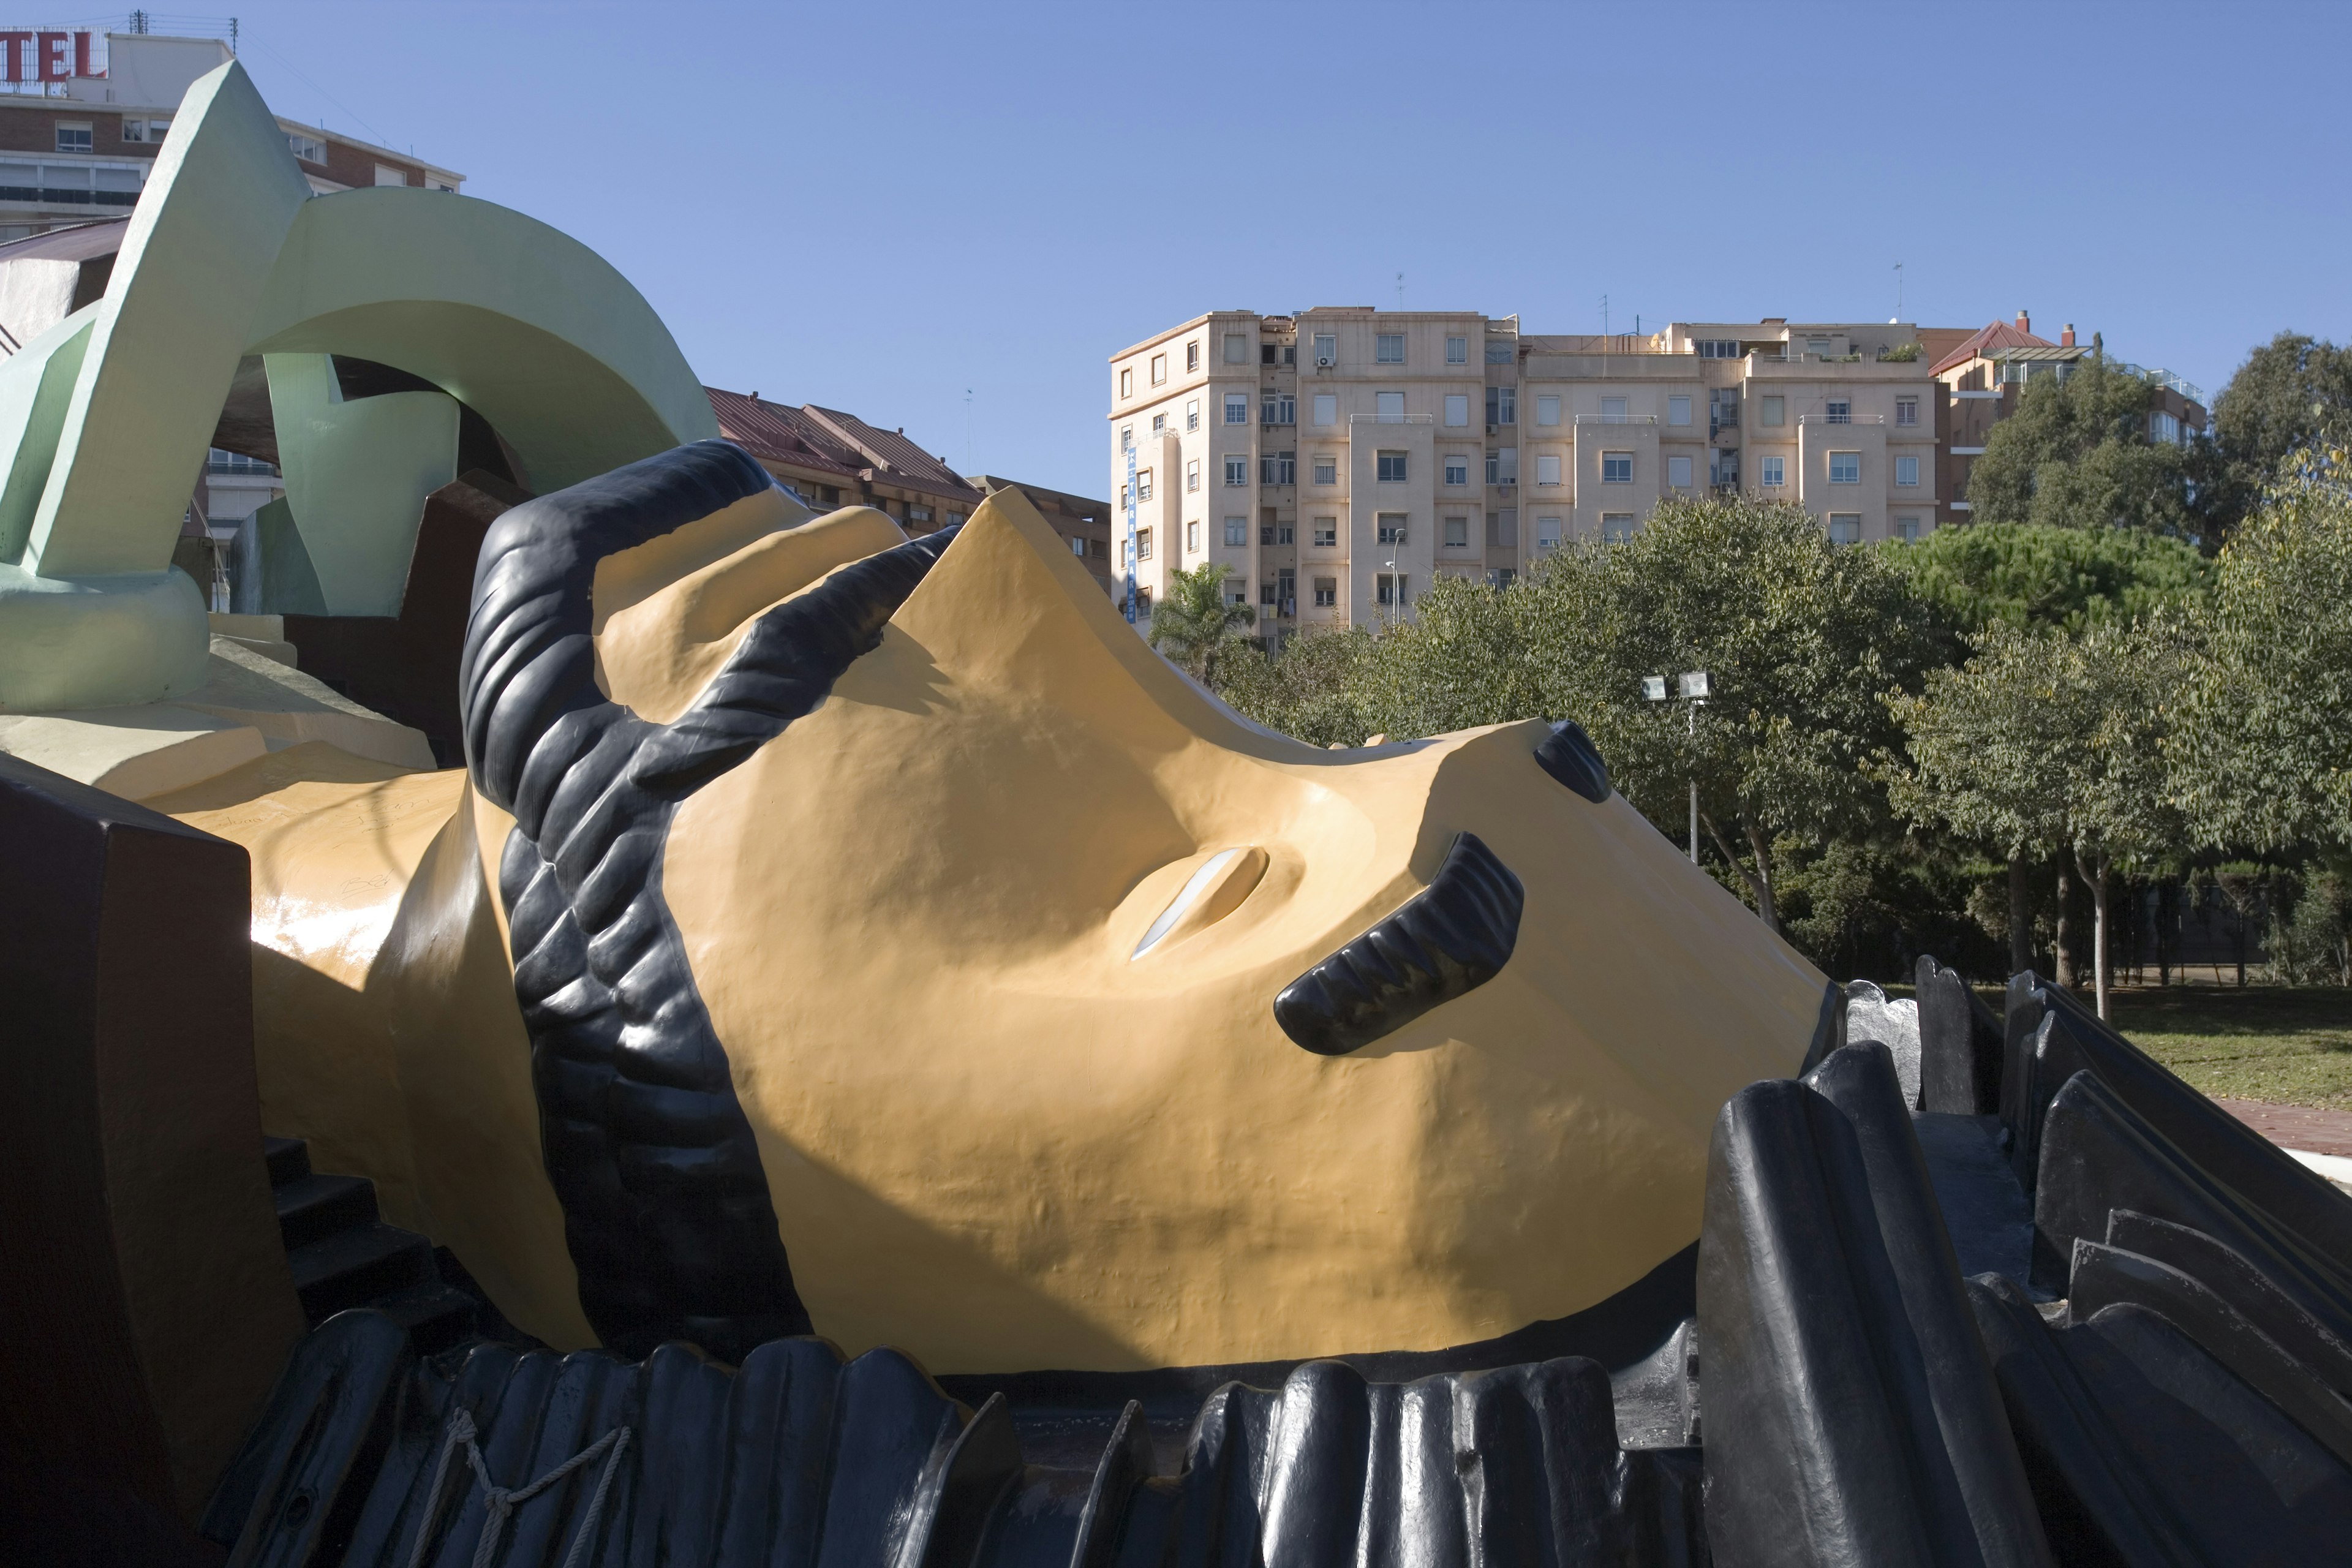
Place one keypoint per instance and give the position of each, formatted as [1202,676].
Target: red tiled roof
[892,453]
[1989,339]
[781,435]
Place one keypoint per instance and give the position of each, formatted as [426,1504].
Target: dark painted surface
[1569,755]
[1443,942]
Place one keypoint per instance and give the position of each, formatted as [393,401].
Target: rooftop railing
[1616,419]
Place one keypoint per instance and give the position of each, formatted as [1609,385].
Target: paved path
[2295,1126]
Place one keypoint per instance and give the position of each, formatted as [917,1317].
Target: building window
[1776,411]
[1678,410]
[1457,351]
[1326,349]
[1717,348]
[1501,577]
[1845,528]
[1499,350]
[1616,527]
[1458,409]
[1237,531]
[1236,469]
[918,514]
[1237,348]
[73,138]
[1391,526]
[1503,466]
[1617,467]
[1547,533]
[1502,406]
[1122,498]
[1326,408]
[1327,532]
[1143,485]
[1159,369]
[1548,410]
[1457,533]
[1192,537]
[1278,468]
[1143,545]
[1818,347]
[1077,547]
[1143,603]
[1390,587]
[1389,348]
[1192,475]
[1906,529]
[1127,384]
[1457,469]
[385,175]
[1906,411]
[1237,408]
[1906,471]
[1678,473]
[1840,412]
[1546,470]
[1846,468]
[1775,472]
[1388,406]
[1326,593]
[1159,425]
[1503,529]
[1192,414]
[1126,436]
[1278,408]
[1391,467]
[1326,469]
[1192,355]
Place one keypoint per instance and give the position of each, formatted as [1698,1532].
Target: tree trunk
[2167,922]
[2021,915]
[1763,872]
[2065,975]
[1760,881]
[2095,873]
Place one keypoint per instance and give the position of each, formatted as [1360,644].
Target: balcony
[1847,419]
[1391,419]
[1616,419]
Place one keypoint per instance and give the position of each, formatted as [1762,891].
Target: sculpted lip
[1445,941]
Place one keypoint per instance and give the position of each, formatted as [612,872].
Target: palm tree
[1191,623]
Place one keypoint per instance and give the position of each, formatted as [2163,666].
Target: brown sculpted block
[143,1287]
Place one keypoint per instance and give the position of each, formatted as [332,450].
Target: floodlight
[1654,687]
[1695,683]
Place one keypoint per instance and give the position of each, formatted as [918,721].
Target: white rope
[502,1501]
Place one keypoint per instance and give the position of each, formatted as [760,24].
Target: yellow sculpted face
[990,935]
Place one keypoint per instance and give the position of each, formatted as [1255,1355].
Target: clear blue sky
[879,208]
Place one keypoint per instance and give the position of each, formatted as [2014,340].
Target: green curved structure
[105,420]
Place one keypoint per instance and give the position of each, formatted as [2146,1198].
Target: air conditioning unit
[1324,361]
[1493,429]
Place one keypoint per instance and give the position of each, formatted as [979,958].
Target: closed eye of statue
[1208,896]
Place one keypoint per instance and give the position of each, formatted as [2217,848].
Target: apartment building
[83,114]
[1338,460]
[830,459]
[1983,374]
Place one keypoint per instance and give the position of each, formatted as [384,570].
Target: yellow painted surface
[991,1137]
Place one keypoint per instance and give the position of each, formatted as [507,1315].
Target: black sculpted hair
[667,1209]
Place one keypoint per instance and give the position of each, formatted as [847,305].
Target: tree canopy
[2076,454]
[1194,621]
[2029,574]
[2291,393]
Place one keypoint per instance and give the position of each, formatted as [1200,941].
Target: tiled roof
[781,433]
[1989,339]
[892,453]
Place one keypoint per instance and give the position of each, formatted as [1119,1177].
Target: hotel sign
[38,54]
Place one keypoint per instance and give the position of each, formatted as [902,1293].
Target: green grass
[2280,1045]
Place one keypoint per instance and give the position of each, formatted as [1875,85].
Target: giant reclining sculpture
[911,1078]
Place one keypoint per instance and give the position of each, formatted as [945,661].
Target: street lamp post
[1693,689]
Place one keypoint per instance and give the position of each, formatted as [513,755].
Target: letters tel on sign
[26,55]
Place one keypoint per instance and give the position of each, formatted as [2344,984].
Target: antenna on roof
[1898,296]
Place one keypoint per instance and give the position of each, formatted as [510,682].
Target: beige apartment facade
[1338,460]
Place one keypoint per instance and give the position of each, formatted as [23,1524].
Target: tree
[2291,393]
[2044,741]
[2065,579]
[1195,620]
[2076,454]
[1313,688]
[1801,638]
[2263,758]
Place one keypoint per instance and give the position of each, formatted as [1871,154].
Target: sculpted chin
[842,933]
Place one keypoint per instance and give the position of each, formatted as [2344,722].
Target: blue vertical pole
[1131,532]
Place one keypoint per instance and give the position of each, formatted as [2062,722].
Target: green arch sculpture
[105,420]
